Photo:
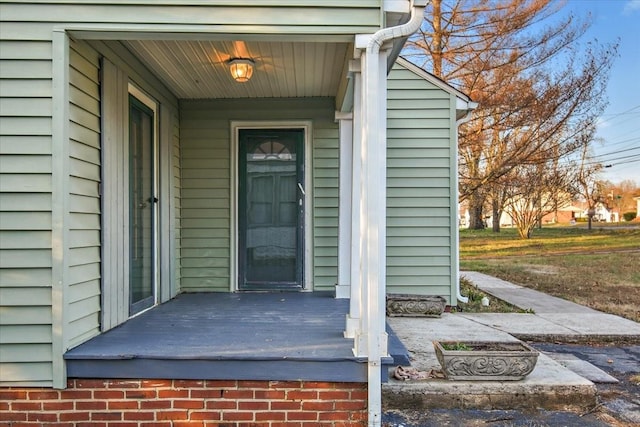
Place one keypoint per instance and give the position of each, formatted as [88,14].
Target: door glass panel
[142,207]
[271,209]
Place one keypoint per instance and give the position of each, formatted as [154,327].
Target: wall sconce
[241,69]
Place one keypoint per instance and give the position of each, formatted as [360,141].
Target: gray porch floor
[253,336]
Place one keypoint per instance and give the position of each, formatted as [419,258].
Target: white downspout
[375,192]
[465,118]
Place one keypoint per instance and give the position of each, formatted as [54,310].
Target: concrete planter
[485,360]
[403,305]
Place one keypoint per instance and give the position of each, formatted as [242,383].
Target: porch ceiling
[199,69]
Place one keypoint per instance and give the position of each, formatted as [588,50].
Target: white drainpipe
[471,106]
[375,133]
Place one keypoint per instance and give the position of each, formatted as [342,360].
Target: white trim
[343,287]
[306,125]
[60,206]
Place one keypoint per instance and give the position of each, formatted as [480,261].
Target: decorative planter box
[403,305]
[485,360]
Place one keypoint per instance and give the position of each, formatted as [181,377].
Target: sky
[619,126]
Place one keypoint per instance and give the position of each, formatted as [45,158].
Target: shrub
[629,216]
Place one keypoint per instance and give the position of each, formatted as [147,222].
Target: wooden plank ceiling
[200,70]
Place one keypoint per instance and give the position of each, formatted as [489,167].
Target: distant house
[602,213]
[564,213]
[166,226]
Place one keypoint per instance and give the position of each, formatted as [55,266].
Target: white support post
[371,339]
[343,287]
[362,333]
[377,174]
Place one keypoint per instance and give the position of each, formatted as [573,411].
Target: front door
[270,209]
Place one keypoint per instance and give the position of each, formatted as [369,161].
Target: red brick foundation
[175,403]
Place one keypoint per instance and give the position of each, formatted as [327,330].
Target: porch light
[241,69]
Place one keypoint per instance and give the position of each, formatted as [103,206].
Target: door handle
[301,189]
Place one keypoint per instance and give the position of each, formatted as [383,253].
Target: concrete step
[550,386]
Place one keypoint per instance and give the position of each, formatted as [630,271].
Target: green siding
[206,179]
[325,211]
[332,18]
[31,355]
[25,211]
[205,202]
[420,146]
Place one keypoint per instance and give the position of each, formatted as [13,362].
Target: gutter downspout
[470,107]
[375,193]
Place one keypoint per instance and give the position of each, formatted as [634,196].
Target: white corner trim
[60,206]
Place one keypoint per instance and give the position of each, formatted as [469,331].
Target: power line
[616,152]
[624,141]
[633,156]
[616,115]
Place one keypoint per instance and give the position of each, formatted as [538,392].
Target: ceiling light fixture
[241,69]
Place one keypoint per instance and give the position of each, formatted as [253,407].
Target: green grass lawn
[599,268]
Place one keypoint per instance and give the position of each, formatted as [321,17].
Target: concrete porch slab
[417,335]
[549,386]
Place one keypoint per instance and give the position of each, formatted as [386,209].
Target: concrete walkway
[556,383]
[554,319]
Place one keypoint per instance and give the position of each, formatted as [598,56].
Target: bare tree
[586,177]
[538,92]
[534,192]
